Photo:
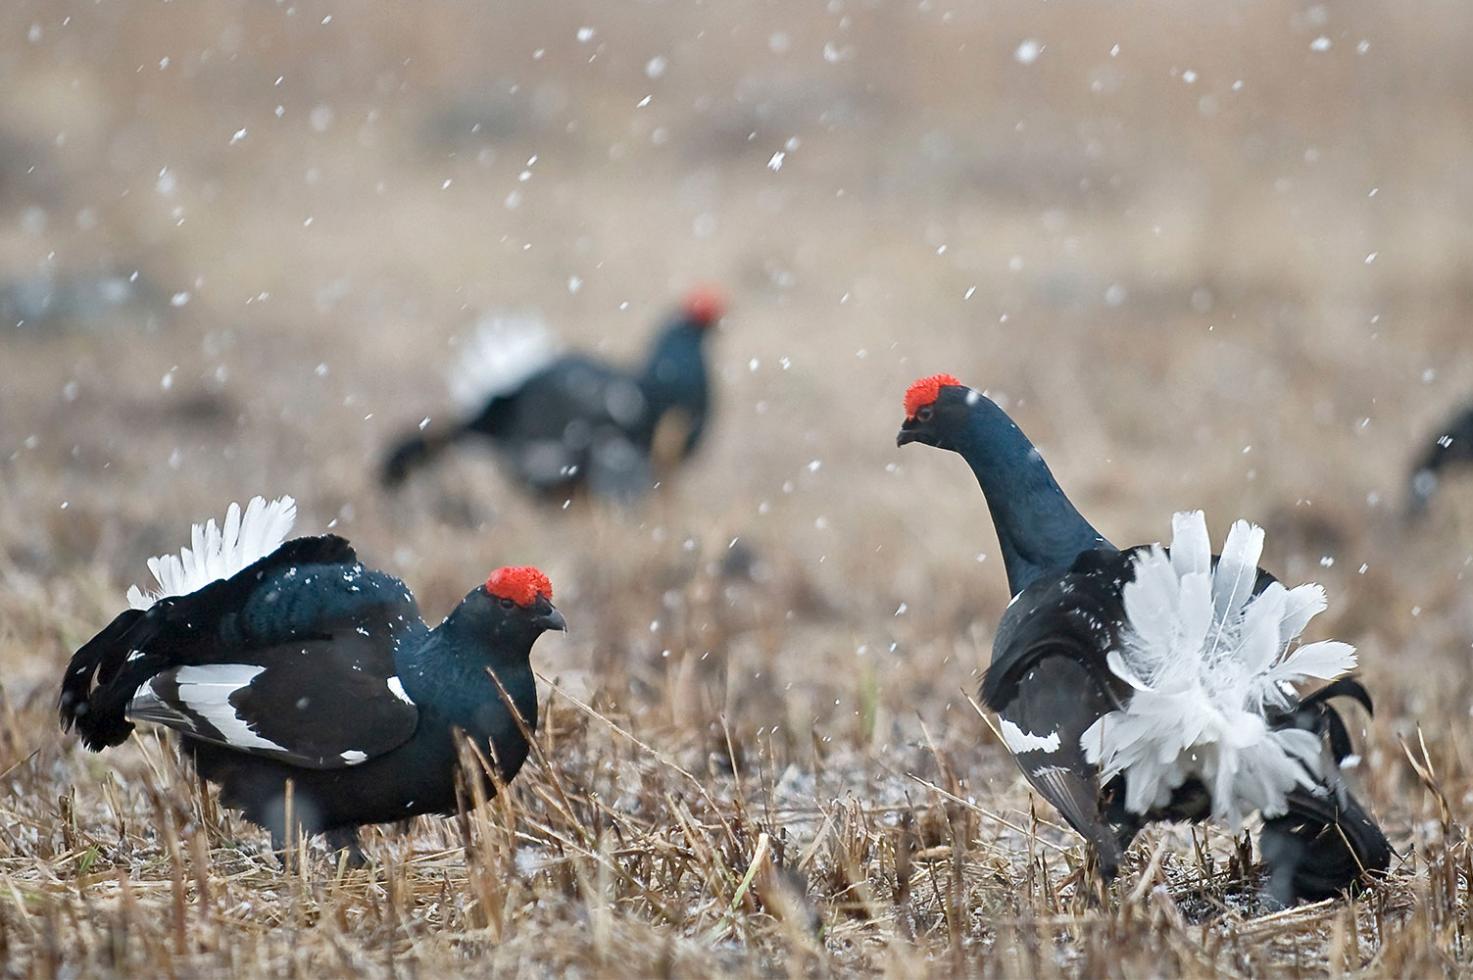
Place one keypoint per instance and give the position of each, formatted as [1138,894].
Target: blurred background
[1208,254]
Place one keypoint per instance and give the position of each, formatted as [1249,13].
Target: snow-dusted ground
[1209,256]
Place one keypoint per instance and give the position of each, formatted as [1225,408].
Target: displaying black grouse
[1157,683]
[1451,448]
[292,661]
[571,422]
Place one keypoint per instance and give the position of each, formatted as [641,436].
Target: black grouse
[572,422]
[292,661]
[1451,448]
[1157,683]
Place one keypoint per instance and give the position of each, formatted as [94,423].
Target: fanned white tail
[219,552]
[1206,660]
[497,357]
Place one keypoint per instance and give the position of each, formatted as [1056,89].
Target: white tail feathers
[503,352]
[1206,660]
[217,552]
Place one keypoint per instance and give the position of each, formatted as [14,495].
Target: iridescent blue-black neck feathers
[1039,530]
[675,376]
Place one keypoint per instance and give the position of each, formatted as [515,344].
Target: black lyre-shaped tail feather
[1327,843]
[411,453]
[99,722]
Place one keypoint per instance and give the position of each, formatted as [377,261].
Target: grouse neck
[450,670]
[1039,530]
[676,371]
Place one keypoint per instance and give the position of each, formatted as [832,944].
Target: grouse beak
[552,620]
[907,433]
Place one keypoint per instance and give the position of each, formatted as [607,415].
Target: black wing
[321,704]
[219,663]
[1049,683]
[1077,615]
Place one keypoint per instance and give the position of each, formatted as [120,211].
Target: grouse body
[1451,448]
[1157,683]
[281,661]
[567,423]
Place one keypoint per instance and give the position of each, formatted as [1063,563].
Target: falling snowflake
[1028,51]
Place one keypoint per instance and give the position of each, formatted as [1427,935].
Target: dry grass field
[1209,254]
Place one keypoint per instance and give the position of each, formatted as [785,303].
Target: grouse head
[703,307]
[935,412]
[511,609]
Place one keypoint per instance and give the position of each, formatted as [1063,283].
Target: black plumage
[306,666]
[1449,449]
[1050,671]
[574,423]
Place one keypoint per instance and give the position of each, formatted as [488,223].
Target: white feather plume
[1206,660]
[217,552]
[501,353]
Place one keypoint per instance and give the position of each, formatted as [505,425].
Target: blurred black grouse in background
[572,422]
[1152,683]
[1451,447]
[293,661]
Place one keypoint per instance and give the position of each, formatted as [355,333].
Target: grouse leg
[346,839]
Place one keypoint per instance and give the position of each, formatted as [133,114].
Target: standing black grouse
[1157,683]
[292,661]
[571,422]
[1451,448]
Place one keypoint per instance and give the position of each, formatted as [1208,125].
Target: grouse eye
[924,413]
[507,604]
